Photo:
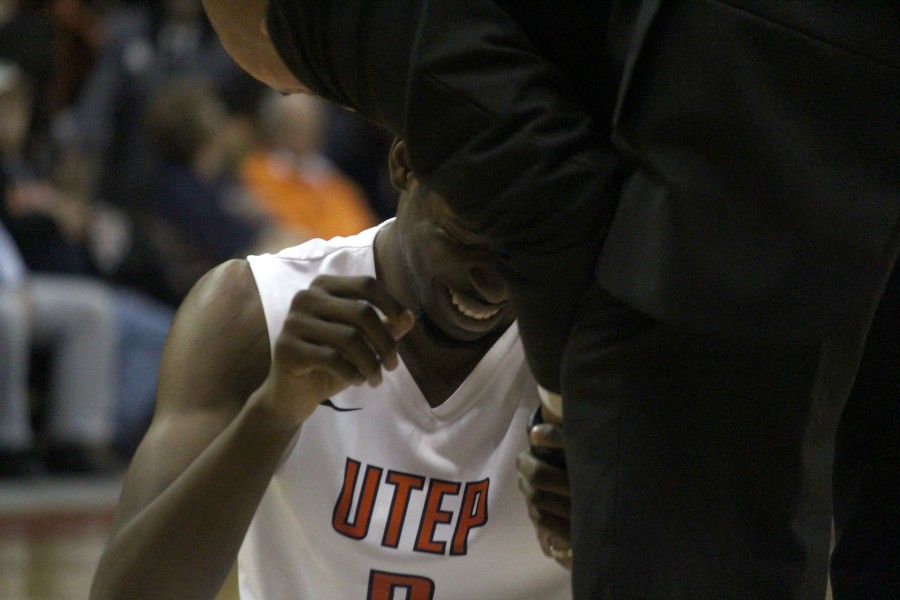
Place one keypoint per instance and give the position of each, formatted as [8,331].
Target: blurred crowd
[135,156]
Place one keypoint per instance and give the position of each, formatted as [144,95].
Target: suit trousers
[865,563]
[701,463]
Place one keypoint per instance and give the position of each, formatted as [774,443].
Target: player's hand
[333,338]
[546,489]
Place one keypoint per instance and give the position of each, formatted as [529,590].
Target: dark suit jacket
[728,165]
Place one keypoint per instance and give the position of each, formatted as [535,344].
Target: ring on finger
[560,554]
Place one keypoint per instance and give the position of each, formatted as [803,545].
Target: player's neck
[437,368]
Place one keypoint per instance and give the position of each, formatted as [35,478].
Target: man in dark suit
[698,204]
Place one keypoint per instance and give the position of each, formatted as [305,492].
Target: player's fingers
[544,501]
[547,435]
[299,357]
[542,475]
[352,302]
[551,523]
[349,342]
[556,548]
[398,318]
[547,509]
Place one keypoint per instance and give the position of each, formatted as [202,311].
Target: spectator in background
[292,179]
[358,146]
[145,44]
[198,213]
[51,229]
[28,38]
[74,318]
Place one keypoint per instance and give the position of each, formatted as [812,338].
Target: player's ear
[398,165]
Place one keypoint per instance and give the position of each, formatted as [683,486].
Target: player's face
[452,270]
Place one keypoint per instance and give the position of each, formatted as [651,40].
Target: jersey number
[384,585]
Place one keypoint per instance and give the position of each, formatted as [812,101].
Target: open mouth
[472,308]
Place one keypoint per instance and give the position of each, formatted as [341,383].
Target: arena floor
[52,532]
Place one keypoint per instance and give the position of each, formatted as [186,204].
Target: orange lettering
[403,483]
[472,514]
[432,516]
[359,527]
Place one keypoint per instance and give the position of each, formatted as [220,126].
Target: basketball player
[344,417]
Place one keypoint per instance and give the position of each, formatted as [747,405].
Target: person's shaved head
[240,25]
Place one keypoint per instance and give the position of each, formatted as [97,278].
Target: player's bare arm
[226,412]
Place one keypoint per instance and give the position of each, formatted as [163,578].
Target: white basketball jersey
[382,497]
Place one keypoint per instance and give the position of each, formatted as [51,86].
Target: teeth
[473,312]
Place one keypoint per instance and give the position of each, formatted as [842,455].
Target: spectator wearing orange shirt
[292,179]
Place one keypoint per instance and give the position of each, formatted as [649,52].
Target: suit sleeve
[493,126]
[514,147]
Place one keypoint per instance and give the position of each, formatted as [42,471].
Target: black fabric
[369,52]
[699,489]
[765,136]
[769,165]
[867,466]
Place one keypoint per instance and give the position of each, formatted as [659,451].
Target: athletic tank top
[382,497]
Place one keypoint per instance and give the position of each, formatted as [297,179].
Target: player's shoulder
[224,296]
[337,255]
[316,249]
[222,320]
[232,278]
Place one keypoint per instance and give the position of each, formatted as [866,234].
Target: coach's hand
[544,481]
[333,337]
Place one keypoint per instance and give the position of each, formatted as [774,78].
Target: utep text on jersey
[472,511]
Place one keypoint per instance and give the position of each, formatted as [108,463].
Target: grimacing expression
[452,270]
